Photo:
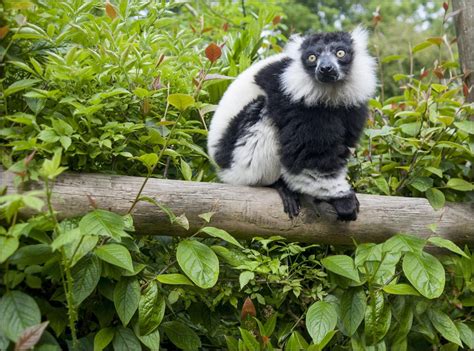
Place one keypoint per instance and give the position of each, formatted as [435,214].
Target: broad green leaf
[152,340]
[324,342]
[125,340]
[149,160]
[435,170]
[466,334]
[425,273]
[186,170]
[391,58]
[245,277]
[31,254]
[460,184]
[382,184]
[421,46]
[182,336]
[465,126]
[221,234]
[103,338]
[367,252]
[321,318]
[400,289]
[198,262]
[342,265]
[386,269]
[352,309]
[115,254]
[66,237]
[447,244]
[174,279]
[436,198]
[445,326]
[79,248]
[51,168]
[181,101]
[250,341]
[18,311]
[400,243]
[126,297]
[19,86]
[377,319]
[422,183]
[296,342]
[8,246]
[151,309]
[103,223]
[85,275]
[207,216]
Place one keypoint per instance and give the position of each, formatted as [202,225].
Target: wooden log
[246,212]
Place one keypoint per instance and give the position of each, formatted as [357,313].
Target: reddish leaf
[276,20]
[30,336]
[265,340]
[156,84]
[248,309]
[424,73]
[160,60]
[192,28]
[465,89]
[110,10]
[225,27]
[3,31]
[445,6]
[439,72]
[92,201]
[28,158]
[207,29]
[213,52]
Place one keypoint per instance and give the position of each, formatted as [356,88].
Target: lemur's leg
[291,199]
[331,188]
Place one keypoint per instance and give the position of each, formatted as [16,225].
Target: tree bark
[464,22]
[246,212]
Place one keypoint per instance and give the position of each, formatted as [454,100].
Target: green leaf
[182,336]
[391,58]
[378,316]
[65,238]
[465,126]
[181,101]
[51,168]
[103,223]
[400,289]
[342,265]
[436,198]
[321,318]
[103,338]
[126,297]
[425,273]
[174,279]
[31,336]
[422,46]
[115,254]
[186,170]
[460,184]
[152,340]
[19,86]
[198,262]
[325,341]
[352,309]
[382,184]
[250,341]
[85,275]
[422,183]
[466,334]
[435,170]
[151,309]
[400,243]
[19,311]
[296,342]
[221,234]
[245,277]
[149,160]
[8,246]
[125,340]
[445,326]
[447,244]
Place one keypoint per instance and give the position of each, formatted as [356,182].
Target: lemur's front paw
[290,199]
[346,207]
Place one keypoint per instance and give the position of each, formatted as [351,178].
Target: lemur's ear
[292,47]
[360,37]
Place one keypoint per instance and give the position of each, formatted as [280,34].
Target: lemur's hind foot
[290,199]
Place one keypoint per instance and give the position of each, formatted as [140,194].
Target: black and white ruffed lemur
[289,120]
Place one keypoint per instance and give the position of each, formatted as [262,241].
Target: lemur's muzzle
[326,70]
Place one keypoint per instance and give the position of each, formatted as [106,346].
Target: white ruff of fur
[355,89]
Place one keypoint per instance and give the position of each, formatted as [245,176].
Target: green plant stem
[66,269]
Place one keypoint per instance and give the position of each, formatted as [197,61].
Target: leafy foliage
[128,86]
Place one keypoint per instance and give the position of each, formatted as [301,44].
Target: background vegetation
[128,87]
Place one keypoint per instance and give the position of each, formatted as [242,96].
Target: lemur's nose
[326,68]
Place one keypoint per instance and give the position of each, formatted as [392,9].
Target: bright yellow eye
[312,58]
[341,53]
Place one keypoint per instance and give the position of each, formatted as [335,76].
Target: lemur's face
[327,57]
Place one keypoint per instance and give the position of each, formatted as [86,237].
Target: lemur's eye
[312,58]
[340,53]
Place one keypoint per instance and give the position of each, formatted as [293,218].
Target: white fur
[356,88]
[256,157]
[241,92]
[317,184]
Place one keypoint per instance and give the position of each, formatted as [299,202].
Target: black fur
[237,129]
[291,199]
